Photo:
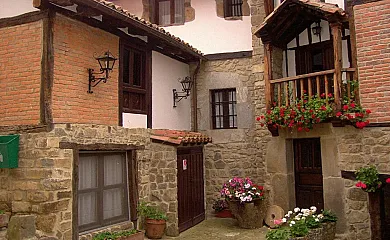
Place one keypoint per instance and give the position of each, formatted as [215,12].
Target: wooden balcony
[286,91]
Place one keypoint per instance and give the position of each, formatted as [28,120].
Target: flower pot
[155,228]
[136,236]
[274,130]
[249,215]
[226,213]
[328,230]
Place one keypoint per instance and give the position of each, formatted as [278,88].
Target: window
[169,12]
[233,8]
[102,190]
[134,81]
[224,113]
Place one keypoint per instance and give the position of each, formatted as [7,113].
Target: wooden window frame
[172,13]
[99,193]
[229,5]
[145,88]
[225,106]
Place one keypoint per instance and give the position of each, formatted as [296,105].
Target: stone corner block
[21,227]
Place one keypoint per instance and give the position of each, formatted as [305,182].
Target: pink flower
[388,180]
[358,184]
[364,186]
[278,221]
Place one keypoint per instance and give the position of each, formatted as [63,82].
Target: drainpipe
[195,98]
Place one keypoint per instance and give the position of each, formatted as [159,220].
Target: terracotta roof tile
[179,137]
[147,23]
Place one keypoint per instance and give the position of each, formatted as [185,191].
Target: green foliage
[2,212]
[114,235]
[328,216]
[312,222]
[368,178]
[278,234]
[299,229]
[151,212]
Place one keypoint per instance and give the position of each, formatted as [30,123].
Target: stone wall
[42,184]
[232,151]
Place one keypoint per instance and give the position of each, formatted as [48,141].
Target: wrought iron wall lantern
[186,84]
[106,63]
[316,28]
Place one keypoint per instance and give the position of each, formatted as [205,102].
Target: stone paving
[220,228]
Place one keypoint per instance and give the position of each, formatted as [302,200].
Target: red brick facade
[20,74]
[372,22]
[75,45]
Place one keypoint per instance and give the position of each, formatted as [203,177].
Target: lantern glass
[186,84]
[107,61]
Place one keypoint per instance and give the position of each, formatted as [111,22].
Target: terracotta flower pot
[249,215]
[136,236]
[155,228]
[226,213]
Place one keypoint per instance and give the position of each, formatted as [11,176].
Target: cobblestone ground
[220,228]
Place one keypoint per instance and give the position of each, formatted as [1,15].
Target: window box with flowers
[246,201]
[310,111]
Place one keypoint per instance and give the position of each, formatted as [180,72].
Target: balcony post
[267,74]
[338,52]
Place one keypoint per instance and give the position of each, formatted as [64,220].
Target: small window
[102,190]
[233,8]
[169,12]
[224,113]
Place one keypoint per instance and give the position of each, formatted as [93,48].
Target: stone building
[254,52]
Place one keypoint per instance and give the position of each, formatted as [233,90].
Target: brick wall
[75,45]
[20,74]
[372,22]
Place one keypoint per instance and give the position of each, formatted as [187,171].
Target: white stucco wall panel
[131,120]
[165,74]
[11,8]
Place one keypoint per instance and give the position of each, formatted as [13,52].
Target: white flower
[284,220]
[317,220]
[292,222]
[247,185]
[320,216]
[290,212]
[313,208]
[296,209]
[303,217]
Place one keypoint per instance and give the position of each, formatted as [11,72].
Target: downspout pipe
[195,97]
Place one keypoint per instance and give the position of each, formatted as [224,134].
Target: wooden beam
[86,11]
[337,51]
[268,74]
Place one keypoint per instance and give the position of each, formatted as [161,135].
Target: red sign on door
[184,164]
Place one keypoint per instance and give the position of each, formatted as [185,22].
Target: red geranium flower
[258,119]
[338,114]
[300,129]
[352,105]
[345,107]
[368,111]
[388,180]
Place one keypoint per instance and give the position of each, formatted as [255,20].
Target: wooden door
[190,184]
[308,173]
[385,212]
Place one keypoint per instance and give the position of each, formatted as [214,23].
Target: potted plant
[132,234]
[4,218]
[246,201]
[154,219]
[221,209]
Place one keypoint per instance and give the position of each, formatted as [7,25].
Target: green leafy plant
[312,221]
[282,233]
[328,216]
[307,112]
[114,235]
[2,212]
[299,228]
[220,205]
[151,212]
[368,179]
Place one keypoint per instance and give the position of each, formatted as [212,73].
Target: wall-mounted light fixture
[186,84]
[106,63]
[316,28]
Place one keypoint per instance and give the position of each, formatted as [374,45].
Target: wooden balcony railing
[286,91]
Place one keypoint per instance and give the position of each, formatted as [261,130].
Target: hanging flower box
[307,112]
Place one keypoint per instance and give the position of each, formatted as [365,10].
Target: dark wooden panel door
[308,173]
[385,211]
[190,187]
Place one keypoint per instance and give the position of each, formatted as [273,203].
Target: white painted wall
[165,74]
[340,3]
[11,8]
[208,33]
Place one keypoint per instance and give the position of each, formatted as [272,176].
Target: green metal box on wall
[9,151]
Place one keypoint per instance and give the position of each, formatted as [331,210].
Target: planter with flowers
[246,202]
[221,208]
[305,224]
[307,112]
